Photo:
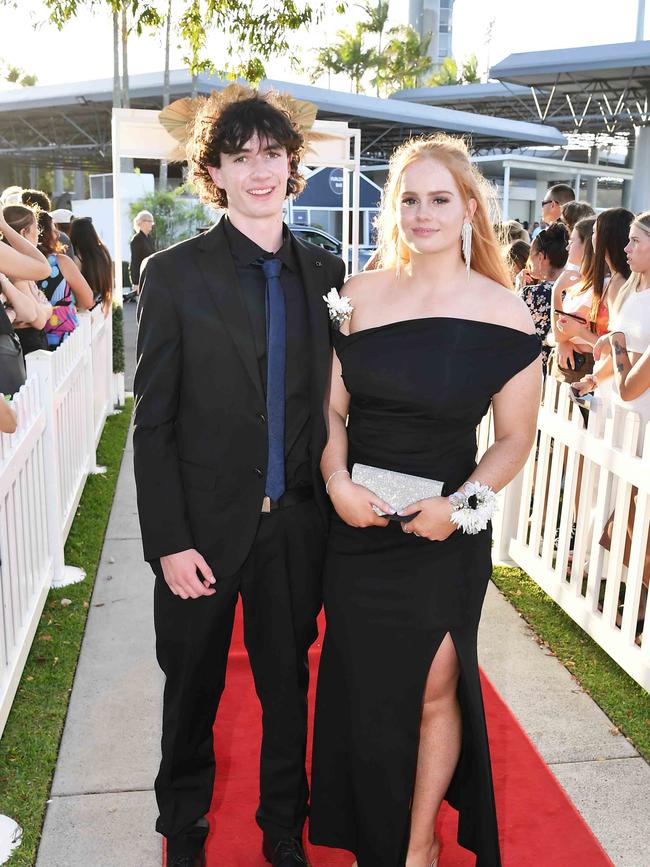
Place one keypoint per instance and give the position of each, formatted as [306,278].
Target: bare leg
[440,742]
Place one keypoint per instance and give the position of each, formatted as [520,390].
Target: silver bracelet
[335,473]
[474,505]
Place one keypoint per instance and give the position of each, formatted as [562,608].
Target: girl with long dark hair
[610,271]
[65,288]
[96,262]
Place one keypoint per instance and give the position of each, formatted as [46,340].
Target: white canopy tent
[139,133]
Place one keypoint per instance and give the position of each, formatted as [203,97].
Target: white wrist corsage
[474,505]
[339,307]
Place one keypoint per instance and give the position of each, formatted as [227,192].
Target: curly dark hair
[227,132]
[48,235]
[36,197]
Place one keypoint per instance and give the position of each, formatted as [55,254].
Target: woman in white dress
[628,340]
[627,345]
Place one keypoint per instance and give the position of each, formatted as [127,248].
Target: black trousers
[280,587]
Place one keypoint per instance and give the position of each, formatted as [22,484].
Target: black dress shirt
[252,282]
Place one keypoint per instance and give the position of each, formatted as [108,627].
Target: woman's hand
[569,327]
[565,355]
[523,278]
[433,522]
[585,385]
[353,503]
[602,347]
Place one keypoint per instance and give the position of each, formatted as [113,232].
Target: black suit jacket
[200,437]
[141,246]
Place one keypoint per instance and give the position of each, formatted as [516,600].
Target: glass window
[319,240]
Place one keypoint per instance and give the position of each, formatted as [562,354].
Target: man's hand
[182,572]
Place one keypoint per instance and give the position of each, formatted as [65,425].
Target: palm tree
[377,18]
[404,61]
[327,61]
[16,75]
[117,89]
[162,178]
[348,56]
[126,102]
[469,73]
[446,74]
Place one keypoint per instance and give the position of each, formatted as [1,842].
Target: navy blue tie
[276,344]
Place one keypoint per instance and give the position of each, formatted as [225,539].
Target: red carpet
[539,826]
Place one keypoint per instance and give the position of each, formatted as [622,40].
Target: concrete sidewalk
[102,807]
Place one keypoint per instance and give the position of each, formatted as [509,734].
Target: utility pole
[640,20]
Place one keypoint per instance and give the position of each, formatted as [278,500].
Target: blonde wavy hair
[454,155]
[642,222]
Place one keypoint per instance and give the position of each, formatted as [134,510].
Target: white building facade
[434,17]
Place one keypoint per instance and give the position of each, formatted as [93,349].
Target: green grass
[625,702]
[30,743]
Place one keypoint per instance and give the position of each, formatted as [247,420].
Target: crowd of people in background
[51,267]
[583,277]
[586,280]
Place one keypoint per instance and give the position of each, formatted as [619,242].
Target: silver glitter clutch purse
[399,490]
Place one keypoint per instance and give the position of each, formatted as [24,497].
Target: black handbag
[12,364]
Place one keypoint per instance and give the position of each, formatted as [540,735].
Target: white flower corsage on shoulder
[339,307]
[474,506]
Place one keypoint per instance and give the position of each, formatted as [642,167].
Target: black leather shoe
[187,849]
[188,860]
[284,853]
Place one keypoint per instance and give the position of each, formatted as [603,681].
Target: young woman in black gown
[429,347]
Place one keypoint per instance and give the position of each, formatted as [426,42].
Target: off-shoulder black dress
[418,390]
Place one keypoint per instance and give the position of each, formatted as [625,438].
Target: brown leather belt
[289,498]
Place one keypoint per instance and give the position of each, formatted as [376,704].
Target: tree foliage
[349,56]
[401,63]
[470,73]
[256,30]
[448,74]
[177,216]
[16,75]
[404,61]
[376,19]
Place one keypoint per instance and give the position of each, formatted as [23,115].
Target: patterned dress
[538,298]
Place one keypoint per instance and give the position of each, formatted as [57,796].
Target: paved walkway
[102,808]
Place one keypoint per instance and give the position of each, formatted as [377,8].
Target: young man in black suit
[233,361]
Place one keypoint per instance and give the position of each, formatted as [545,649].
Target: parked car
[320,238]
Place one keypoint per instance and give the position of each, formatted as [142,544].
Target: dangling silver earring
[466,244]
[398,264]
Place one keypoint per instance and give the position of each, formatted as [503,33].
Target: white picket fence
[576,482]
[43,469]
